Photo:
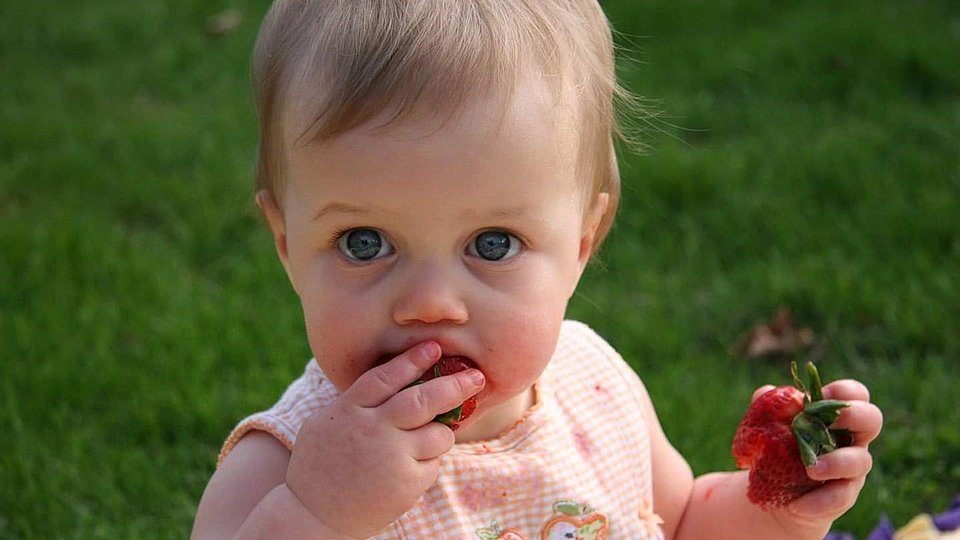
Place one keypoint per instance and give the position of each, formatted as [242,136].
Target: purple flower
[884,530]
[949,520]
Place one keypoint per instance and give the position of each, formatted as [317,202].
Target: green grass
[813,164]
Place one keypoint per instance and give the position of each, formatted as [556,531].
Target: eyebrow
[514,212]
[342,208]
[499,213]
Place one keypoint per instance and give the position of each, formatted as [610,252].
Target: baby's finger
[864,420]
[430,441]
[849,462]
[846,389]
[419,404]
[828,501]
[382,382]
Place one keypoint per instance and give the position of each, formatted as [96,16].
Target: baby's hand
[845,469]
[360,463]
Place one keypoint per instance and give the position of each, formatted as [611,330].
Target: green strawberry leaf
[796,379]
[450,417]
[811,427]
[807,453]
[813,436]
[827,410]
[809,433]
[816,387]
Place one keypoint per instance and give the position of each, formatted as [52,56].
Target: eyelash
[339,232]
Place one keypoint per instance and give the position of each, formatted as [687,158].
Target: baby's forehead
[527,129]
[492,144]
[534,104]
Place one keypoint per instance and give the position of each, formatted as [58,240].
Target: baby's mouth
[447,365]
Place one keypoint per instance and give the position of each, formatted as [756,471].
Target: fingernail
[819,469]
[432,349]
[476,377]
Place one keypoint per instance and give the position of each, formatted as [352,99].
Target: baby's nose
[430,296]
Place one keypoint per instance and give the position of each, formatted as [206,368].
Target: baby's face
[466,236]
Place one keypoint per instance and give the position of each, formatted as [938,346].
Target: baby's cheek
[526,345]
[337,338]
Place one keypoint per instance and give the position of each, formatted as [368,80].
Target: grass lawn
[807,157]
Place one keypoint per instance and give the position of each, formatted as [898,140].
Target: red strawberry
[784,430]
[448,365]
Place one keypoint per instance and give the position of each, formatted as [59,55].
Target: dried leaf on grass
[775,338]
[223,23]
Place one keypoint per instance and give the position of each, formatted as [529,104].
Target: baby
[436,175]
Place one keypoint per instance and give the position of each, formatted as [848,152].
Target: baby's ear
[271,212]
[590,226]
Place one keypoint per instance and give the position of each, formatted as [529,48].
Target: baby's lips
[448,365]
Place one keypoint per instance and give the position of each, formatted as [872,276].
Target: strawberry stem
[796,380]
[812,426]
[816,387]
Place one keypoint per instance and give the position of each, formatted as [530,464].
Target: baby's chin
[494,417]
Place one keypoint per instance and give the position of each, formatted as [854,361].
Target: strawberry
[448,365]
[783,431]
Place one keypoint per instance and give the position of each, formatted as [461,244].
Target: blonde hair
[345,62]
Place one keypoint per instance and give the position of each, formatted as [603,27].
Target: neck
[499,419]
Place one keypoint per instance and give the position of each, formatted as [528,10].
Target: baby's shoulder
[580,344]
[599,392]
[585,364]
[305,396]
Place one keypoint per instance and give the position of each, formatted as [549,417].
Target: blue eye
[363,245]
[494,246]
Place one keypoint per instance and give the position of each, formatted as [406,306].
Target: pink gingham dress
[577,465]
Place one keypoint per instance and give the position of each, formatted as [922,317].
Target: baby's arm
[356,466]
[247,497]
[716,506]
